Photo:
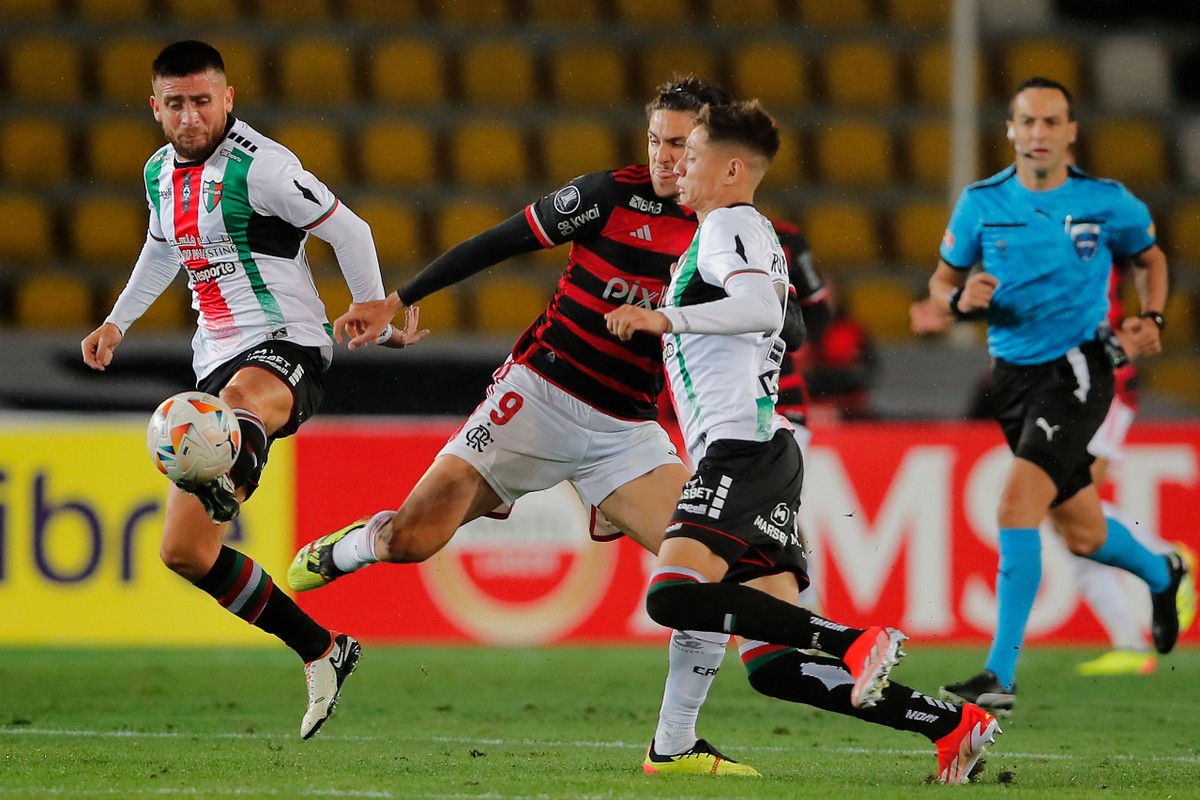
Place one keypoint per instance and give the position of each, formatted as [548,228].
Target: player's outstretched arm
[363,322]
[99,345]
[625,321]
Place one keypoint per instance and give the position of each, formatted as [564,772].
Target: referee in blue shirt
[1045,234]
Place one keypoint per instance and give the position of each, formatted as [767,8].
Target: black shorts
[742,503]
[302,369]
[1051,411]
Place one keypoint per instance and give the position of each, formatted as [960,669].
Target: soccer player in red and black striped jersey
[571,403]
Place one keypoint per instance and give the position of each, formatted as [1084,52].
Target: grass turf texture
[560,722]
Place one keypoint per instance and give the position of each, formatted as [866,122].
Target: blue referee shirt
[1052,252]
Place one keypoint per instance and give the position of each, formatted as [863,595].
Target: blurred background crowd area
[434,119]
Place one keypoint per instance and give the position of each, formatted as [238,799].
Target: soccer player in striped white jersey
[731,560]
[232,209]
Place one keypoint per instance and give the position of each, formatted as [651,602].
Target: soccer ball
[193,437]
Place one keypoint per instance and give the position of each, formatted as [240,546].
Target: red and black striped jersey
[624,239]
[810,290]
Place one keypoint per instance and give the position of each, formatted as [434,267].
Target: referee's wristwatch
[1154,317]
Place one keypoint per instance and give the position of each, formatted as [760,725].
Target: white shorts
[1109,441]
[529,435]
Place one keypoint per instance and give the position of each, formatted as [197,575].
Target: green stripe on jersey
[151,176]
[236,215]
[687,270]
[766,412]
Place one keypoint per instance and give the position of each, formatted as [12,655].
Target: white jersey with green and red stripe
[724,386]
[237,223]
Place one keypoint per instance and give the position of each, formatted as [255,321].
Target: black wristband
[954,309]
[1154,317]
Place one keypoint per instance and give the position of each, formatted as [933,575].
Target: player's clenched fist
[627,320]
[99,345]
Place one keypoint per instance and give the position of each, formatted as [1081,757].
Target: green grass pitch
[550,723]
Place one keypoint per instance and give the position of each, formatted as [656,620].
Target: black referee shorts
[1049,412]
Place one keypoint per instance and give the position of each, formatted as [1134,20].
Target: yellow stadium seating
[292,12]
[123,70]
[498,73]
[458,222]
[334,292]
[920,14]
[788,167]
[316,72]
[737,13]
[928,153]
[1183,233]
[110,11]
[1175,376]
[243,68]
[108,231]
[26,230]
[918,228]
[584,74]
[171,311]
[773,72]
[1183,312]
[54,302]
[881,305]
[408,72]
[832,13]
[397,153]
[558,13]
[205,11]
[506,306]
[472,12]
[396,228]
[842,236]
[1128,150]
[34,151]
[862,75]
[318,145]
[855,153]
[572,147]
[118,149]
[640,13]
[659,61]
[491,154]
[1048,58]
[441,312]
[932,72]
[30,80]
[27,10]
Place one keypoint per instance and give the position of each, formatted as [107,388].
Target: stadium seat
[832,13]
[738,13]
[26,230]
[774,72]
[334,292]
[931,66]
[292,12]
[787,169]
[28,76]
[123,70]
[489,154]
[1128,150]
[396,228]
[558,13]
[1175,375]
[35,152]
[407,72]
[119,148]
[842,236]
[243,69]
[110,11]
[205,11]
[54,302]
[920,14]
[862,75]
[1132,73]
[383,12]
[917,233]
[881,305]
[1182,311]
[171,311]
[442,312]
[399,153]
[457,222]
[27,10]
[108,231]
[588,74]
[928,151]
[574,146]
[497,73]
[659,61]
[506,306]
[316,72]
[320,256]
[474,13]
[1045,57]
[639,13]
[855,154]
[1183,234]
[318,145]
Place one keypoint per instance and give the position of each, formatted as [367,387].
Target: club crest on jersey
[211,192]
[1086,238]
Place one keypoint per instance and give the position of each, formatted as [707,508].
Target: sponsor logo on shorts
[273,360]
[478,438]
[296,375]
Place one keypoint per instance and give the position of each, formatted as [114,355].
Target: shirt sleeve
[156,267]
[1132,228]
[579,209]
[960,243]
[753,305]
[728,249]
[280,187]
[350,237]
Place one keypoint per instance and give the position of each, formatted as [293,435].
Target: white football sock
[356,549]
[694,658]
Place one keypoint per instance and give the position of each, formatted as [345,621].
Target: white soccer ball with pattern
[193,437]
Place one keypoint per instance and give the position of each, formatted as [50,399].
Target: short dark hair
[1040,82]
[746,123]
[188,57]
[687,92]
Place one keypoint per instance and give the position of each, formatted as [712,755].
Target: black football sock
[787,674]
[246,590]
[252,455]
[678,600]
